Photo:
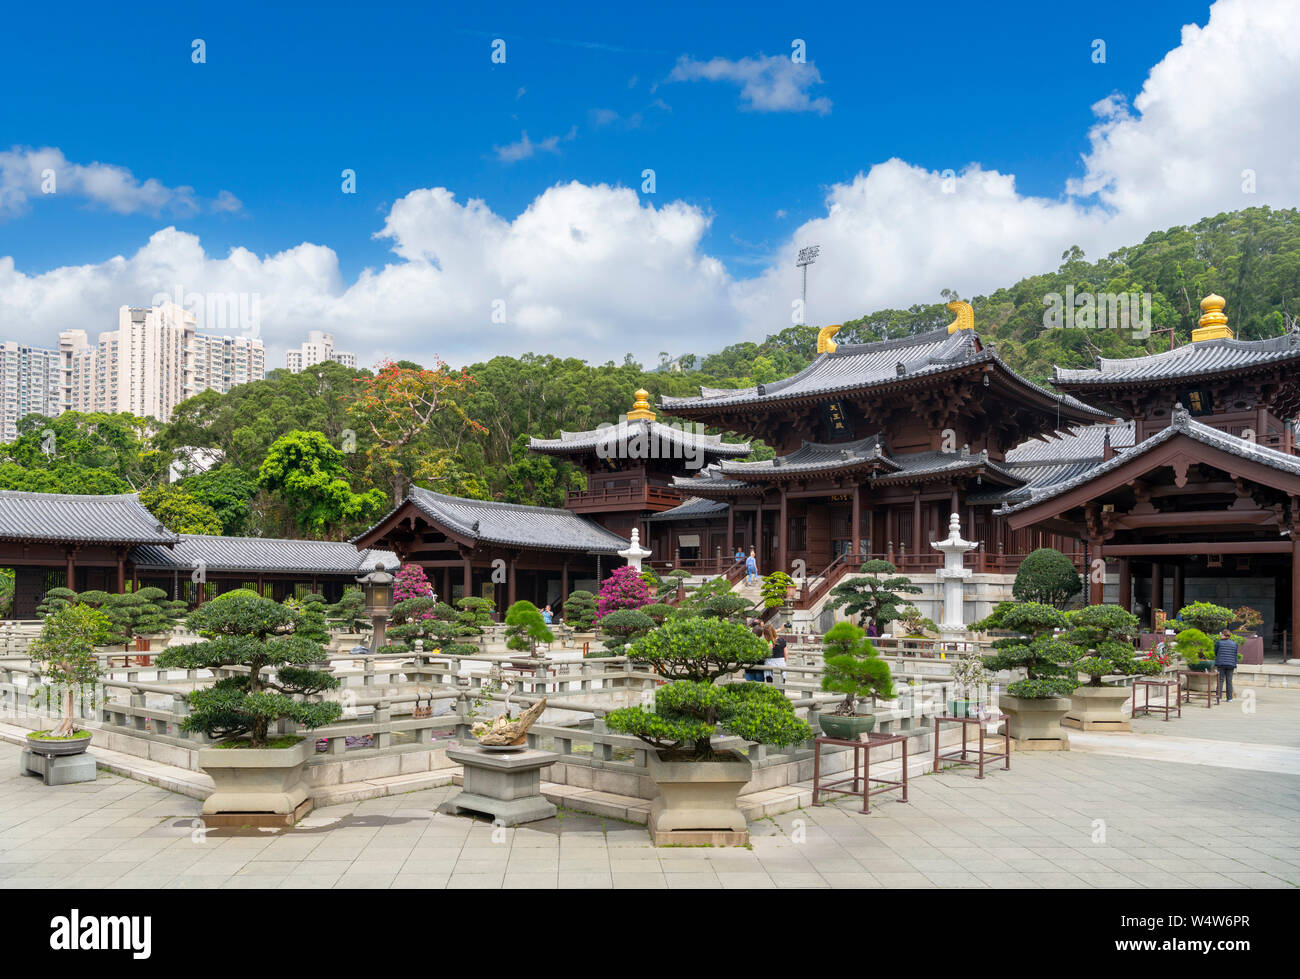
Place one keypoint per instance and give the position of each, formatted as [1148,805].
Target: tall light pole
[806,257]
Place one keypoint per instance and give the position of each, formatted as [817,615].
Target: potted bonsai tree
[257,637]
[1197,651]
[853,668]
[971,677]
[580,612]
[698,784]
[1034,705]
[152,615]
[349,612]
[1103,637]
[525,627]
[777,590]
[876,596]
[68,662]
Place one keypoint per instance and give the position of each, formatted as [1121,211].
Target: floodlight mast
[806,257]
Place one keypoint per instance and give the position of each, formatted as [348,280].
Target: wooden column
[782,535]
[1125,585]
[955,504]
[121,572]
[1157,589]
[758,535]
[72,568]
[1096,589]
[511,575]
[1295,593]
[916,523]
[856,519]
[731,529]
[1177,603]
[564,584]
[468,580]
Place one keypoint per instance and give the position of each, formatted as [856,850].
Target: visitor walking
[778,652]
[1225,658]
[751,568]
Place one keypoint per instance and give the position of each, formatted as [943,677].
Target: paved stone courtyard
[1084,818]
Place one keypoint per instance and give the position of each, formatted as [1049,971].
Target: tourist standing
[1225,658]
[547,615]
[751,568]
[740,554]
[778,652]
[753,674]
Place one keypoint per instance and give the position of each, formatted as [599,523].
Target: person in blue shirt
[547,615]
[751,568]
[740,555]
[1225,658]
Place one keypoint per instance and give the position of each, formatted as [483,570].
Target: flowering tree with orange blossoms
[398,405]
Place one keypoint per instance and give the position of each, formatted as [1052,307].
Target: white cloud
[596,271]
[526,148]
[768,83]
[28,174]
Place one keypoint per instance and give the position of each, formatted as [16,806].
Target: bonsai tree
[622,589]
[1103,637]
[65,654]
[688,713]
[1211,619]
[1034,647]
[474,614]
[775,589]
[658,611]
[854,668]
[419,618]
[257,634]
[349,612]
[55,599]
[525,627]
[311,623]
[916,624]
[626,623]
[877,597]
[1248,620]
[1194,646]
[1048,577]
[712,599]
[128,613]
[580,610]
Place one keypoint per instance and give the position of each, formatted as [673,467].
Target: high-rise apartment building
[154,360]
[317,348]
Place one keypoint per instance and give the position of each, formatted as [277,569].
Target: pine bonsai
[580,610]
[525,627]
[775,589]
[349,612]
[854,668]
[67,659]
[1194,646]
[694,652]
[1048,577]
[474,614]
[259,635]
[1033,646]
[626,623]
[1211,619]
[877,597]
[312,622]
[1103,637]
[55,599]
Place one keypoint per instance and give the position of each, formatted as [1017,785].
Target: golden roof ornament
[641,407]
[965,316]
[825,345]
[1213,324]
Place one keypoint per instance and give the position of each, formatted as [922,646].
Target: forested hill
[322,453]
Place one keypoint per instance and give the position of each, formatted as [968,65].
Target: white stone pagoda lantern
[953,575]
[634,552]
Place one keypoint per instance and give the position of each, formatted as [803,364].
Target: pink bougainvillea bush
[622,589]
[411,582]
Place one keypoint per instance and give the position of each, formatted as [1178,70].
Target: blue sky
[409,98]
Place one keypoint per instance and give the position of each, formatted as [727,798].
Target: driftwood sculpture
[505,732]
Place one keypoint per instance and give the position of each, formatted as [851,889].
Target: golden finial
[641,407]
[1213,324]
[965,316]
[825,345]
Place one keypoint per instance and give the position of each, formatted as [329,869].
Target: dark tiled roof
[651,439]
[63,517]
[917,465]
[1181,423]
[263,554]
[691,509]
[816,457]
[1079,442]
[491,522]
[1206,357]
[858,366]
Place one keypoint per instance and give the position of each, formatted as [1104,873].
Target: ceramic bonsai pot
[58,748]
[846,726]
[1099,709]
[257,780]
[698,796]
[963,708]
[1035,723]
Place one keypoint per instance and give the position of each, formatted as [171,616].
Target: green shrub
[525,627]
[1193,645]
[774,589]
[878,597]
[854,668]
[1211,619]
[696,648]
[626,623]
[1103,637]
[1048,577]
[658,611]
[1046,658]
[580,610]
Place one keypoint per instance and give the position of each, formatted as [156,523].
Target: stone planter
[846,726]
[697,800]
[258,780]
[1099,709]
[58,762]
[1035,724]
[1203,678]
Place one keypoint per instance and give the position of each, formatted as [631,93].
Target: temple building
[1204,501]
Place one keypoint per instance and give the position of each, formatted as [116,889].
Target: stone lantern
[377,586]
[634,552]
[953,575]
